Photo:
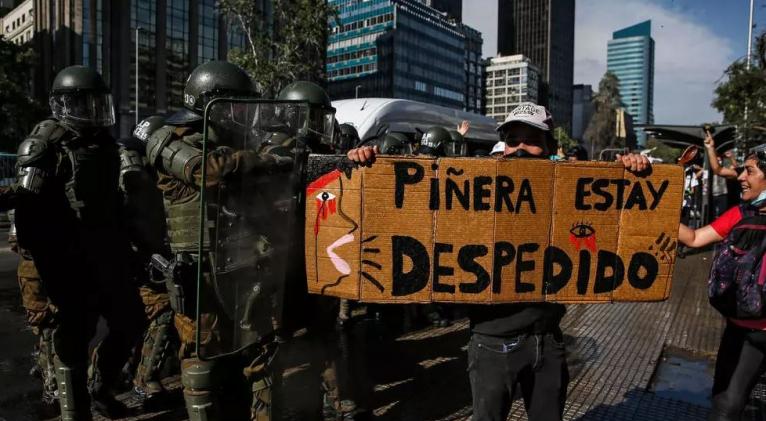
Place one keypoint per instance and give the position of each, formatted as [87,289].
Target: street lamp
[356,91]
[138,30]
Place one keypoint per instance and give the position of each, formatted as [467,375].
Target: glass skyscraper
[402,49]
[630,56]
[175,36]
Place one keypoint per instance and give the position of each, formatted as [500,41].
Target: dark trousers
[738,366]
[534,363]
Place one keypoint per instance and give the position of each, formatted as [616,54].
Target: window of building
[207,46]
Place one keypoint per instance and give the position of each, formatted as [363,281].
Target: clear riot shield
[249,204]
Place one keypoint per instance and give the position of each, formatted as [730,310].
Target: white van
[373,117]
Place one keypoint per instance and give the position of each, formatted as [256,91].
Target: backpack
[736,282]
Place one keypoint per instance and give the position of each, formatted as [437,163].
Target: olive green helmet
[457,145]
[80,97]
[434,141]
[321,114]
[214,79]
[395,143]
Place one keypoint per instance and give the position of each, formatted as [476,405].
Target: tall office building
[543,31]
[510,80]
[174,36]
[402,49]
[453,8]
[582,109]
[630,56]
[18,25]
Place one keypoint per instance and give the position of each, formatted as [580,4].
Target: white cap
[498,148]
[530,114]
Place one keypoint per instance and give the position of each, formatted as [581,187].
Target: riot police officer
[229,379]
[348,137]
[145,216]
[457,145]
[69,218]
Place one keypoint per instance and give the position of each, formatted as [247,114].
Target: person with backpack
[736,289]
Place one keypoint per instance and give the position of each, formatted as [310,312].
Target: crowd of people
[178,238]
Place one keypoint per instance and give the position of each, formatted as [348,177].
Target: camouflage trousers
[235,387]
[156,341]
[41,318]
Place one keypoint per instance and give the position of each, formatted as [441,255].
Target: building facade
[174,36]
[543,31]
[510,80]
[582,109]
[630,56]
[402,49]
[18,25]
[453,8]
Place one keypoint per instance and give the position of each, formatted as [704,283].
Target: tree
[745,88]
[562,137]
[285,45]
[601,131]
[19,112]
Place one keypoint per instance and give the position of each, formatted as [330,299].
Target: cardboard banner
[481,230]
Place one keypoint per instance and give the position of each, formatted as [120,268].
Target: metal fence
[7,168]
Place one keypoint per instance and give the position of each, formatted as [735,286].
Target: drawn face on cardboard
[335,233]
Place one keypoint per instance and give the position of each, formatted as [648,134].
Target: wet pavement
[627,361]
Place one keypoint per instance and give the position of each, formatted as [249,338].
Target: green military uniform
[68,216]
[237,384]
[145,216]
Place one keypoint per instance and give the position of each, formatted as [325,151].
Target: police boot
[156,340]
[103,400]
[199,390]
[47,371]
[73,392]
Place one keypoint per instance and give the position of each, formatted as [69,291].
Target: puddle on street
[685,378]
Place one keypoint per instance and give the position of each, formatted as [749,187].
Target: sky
[695,40]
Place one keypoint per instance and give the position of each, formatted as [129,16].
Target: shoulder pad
[49,130]
[157,141]
[34,152]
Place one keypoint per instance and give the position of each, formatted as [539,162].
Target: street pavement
[625,361]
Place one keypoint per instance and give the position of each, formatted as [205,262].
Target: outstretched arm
[699,237]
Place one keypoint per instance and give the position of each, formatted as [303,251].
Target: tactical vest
[182,216]
[89,166]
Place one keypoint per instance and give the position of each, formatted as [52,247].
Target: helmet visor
[455,149]
[322,124]
[83,109]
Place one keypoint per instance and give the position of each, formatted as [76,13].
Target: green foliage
[744,88]
[19,112]
[664,152]
[601,130]
[562,137]
[281,47]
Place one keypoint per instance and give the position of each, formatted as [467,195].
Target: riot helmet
[321,121]
[214,79]
[456,145]
[348,137]
[577,153]
[434,141]
[79,97]
[395,143]
[147,126]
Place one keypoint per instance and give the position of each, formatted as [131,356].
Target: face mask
[760,200]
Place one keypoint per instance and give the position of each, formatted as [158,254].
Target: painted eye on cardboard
[582,230]
[325,196]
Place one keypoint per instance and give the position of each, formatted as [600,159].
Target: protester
[518,344]
[741,353]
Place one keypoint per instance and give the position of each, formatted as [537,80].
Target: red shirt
[723,226]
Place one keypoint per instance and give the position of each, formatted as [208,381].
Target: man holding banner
[519,344]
